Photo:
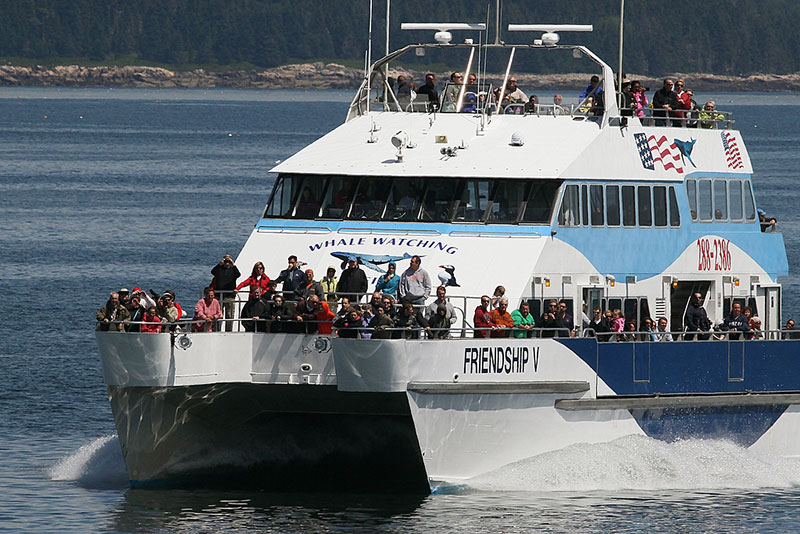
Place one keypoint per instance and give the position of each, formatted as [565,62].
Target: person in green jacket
[709,116]
[523,321]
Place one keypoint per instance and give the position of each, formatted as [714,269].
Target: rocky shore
[333,76]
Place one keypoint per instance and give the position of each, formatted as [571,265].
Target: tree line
[714,36]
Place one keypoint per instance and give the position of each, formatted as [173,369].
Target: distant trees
[719,36]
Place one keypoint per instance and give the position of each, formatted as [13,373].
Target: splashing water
[642,463]
[97,465]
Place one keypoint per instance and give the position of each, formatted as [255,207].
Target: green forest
[735,37]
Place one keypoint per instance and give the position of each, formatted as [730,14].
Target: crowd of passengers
[672,105]
[397,309]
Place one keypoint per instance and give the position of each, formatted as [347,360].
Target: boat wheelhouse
[585,202]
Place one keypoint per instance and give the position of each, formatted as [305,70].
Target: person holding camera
[224,283]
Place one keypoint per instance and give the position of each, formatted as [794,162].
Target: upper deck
[467,134]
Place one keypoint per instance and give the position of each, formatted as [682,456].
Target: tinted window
[370,198]
[507,201]
[674,212]
[596,204]
[735,199]
[660,205]
[338,197]
[404,200]
[704,199]
[474,201]
[749,204]
[720,200]
[691,193]
[612,204]
[284,193]
[440,199]
[539,208]
[628,205]
[645,215]
[584,205]
[568,216]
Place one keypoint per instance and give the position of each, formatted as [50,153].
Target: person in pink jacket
[207,310]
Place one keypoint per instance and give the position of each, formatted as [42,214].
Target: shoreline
[336,76]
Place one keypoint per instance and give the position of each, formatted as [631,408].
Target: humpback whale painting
[369,260]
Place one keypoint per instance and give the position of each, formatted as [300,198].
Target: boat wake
[642,463]
[96,465]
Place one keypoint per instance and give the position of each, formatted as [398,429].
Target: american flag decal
[652,151]
[731,150]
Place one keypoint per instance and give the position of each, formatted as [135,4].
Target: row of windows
[720,200]
[615,205]
[413,199]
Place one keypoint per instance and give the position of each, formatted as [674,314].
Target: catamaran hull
[407,416]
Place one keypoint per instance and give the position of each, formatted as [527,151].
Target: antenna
[443,35]
[550,36]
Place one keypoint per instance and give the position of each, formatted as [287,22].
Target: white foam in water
[97,464]
[642,463]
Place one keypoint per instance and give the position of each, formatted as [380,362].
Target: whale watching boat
[588,203]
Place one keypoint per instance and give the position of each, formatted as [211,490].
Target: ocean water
[101,189]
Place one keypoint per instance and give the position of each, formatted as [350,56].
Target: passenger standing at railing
[627,103]
[387,302]
[696,318]
[136,312]
[292,277]
[755,329]
[254,309]
[167,307]
[684,103]
[736,323]
[661,333]
[350,325]
[664,102]
[279,313]
[415,283]
[224,283]
[708,117]
[387,283]
[640,102]
[152,322]
[207,310]
[515,94]
[618,324]
[257,278]
[309,286]
[567,325]
[482,319]
[412,321]
[501,320]
[344,307]
[112,311]
[353,282]
[523,321]
[329,283]
[598,325]
[380,323]
[441,300]
[325,316]
[549,322]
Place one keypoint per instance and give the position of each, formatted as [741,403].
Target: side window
[628,205]
[720,200]
[660,205]
[474,201]
[645,213]
[612,205]
[596,204]
[749,204]
[338,197]
[506,201]
[691,193]
[735,199]
[438,203]
[404,200]
[674,212]
[570,205]
[284,193]
[584,206]
[704,199]
[370,199]
[539,208]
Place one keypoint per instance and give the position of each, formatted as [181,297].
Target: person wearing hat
[353,282]
[225,274]
[124,296]
[387,284]
[767,223]
[755,328]
[167,308]
[328,283]
[309,286]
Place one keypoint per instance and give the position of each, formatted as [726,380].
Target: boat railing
[293,326]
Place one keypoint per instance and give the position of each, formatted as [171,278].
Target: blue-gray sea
[101,189]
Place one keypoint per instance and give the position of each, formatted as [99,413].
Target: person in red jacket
[324,316]
[257,278]
[151,320]
[482,319]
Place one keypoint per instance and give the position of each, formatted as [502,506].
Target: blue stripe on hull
[741,424]
[647,368]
